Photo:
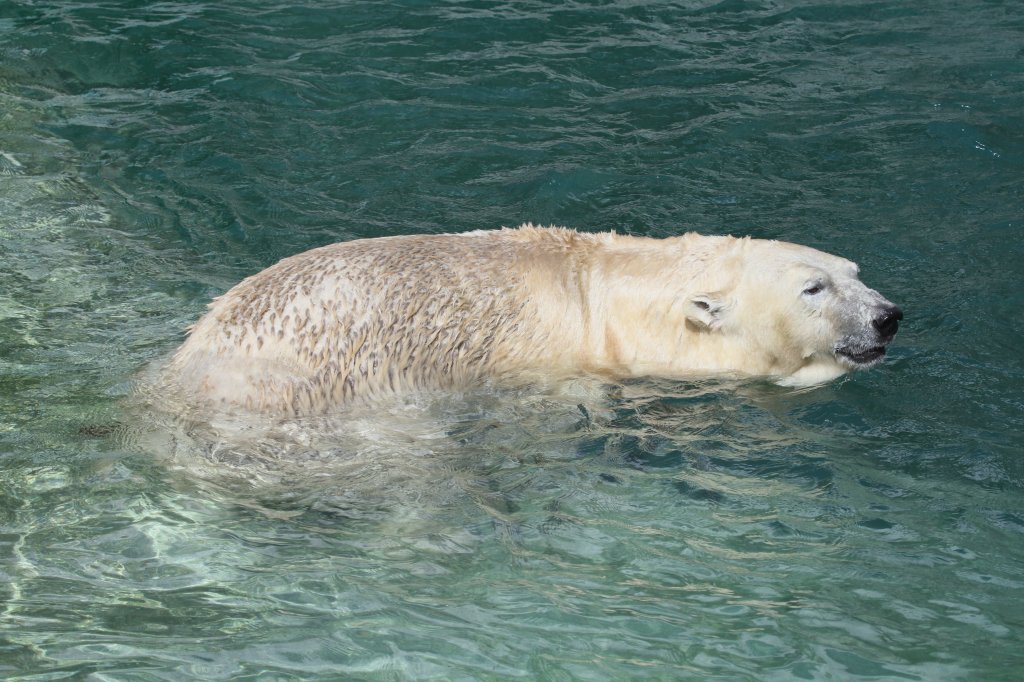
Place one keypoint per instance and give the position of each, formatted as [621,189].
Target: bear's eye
[814,289]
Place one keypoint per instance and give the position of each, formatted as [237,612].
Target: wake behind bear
[360,321]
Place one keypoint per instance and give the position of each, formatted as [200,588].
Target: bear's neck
[636,323]
[625,302]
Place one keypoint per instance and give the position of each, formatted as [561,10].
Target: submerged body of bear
[360,320]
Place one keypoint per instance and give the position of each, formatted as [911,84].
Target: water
[155,153]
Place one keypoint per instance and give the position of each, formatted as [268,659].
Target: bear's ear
[705,312]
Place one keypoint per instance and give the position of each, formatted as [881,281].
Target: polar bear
[361,320]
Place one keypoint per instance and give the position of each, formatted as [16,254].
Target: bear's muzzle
[859,351]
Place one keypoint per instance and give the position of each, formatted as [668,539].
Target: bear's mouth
[861,358]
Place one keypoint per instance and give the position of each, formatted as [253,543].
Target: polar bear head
[790,311]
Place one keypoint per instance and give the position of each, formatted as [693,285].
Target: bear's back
[361,319]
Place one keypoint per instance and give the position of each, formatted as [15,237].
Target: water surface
[153,154]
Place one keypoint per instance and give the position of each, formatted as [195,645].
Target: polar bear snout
[888,323]
[866,348]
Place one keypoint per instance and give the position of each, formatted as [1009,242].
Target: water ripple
[153,156]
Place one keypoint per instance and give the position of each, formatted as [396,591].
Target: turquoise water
[153,154]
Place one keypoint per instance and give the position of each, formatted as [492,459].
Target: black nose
[888,322]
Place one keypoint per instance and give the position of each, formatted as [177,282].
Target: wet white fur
[361,320]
